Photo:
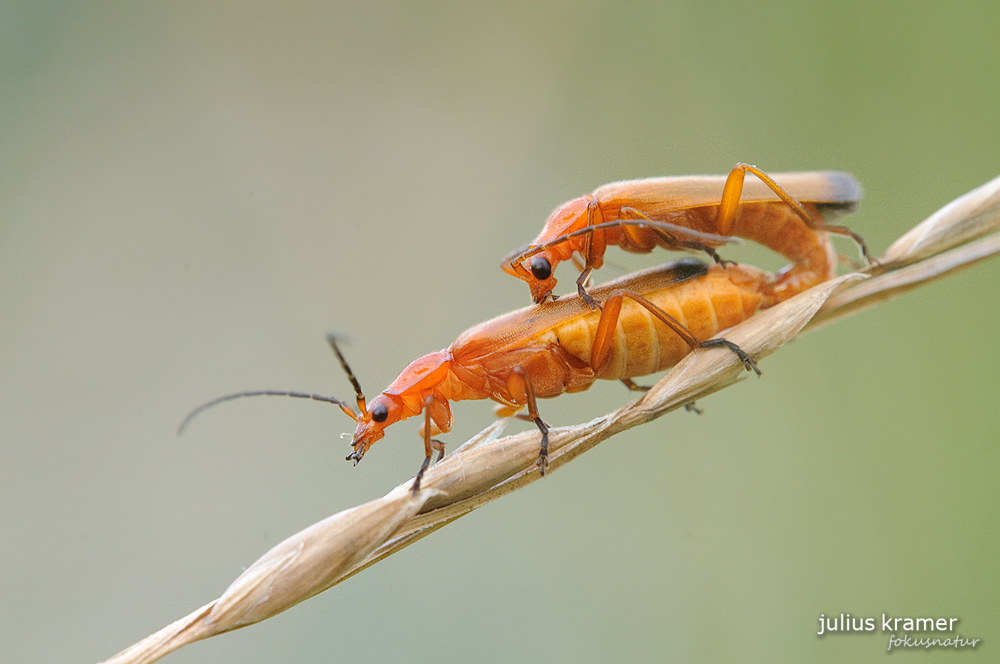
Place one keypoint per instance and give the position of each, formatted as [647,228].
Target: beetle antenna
[683,236]
[332,339]
[344,406]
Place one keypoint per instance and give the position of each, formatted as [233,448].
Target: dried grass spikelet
[486,468]
[967,218]
[957,236]
[304,565]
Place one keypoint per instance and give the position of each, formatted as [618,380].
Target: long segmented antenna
[527,251]
[344,406]
[362,404]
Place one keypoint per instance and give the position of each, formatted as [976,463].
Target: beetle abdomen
[642,344]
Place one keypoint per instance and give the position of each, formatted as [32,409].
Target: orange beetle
[786,213]
[649,321]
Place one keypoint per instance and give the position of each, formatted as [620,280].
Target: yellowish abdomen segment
[642,344]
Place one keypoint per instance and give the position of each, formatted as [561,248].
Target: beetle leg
[515,412]
[581,288]
[439,446]
[689,407]
[594,245]
[592,252]
[635,388]
[851,264]
[529,392]
[503,410]
[731,201]
[609,320]
[428,444]
[748,362]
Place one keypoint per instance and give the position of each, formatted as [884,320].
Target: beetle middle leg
[529,392]
[429,444]
[630,384]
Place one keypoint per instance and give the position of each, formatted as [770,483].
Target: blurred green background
[192,195]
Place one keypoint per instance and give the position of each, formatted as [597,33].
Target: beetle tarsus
[543,452]
[749,363]
[439,446]
[420,475]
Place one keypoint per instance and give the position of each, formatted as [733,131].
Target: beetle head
[535,269]
[381,412]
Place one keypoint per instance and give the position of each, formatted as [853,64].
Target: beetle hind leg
[731,197]
[748,362]
[609,319]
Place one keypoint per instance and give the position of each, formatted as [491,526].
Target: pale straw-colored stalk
[486,467]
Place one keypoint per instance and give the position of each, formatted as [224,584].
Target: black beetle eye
[541,269]
[380,413]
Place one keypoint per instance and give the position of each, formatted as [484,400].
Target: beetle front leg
[581,288]
[428,444]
